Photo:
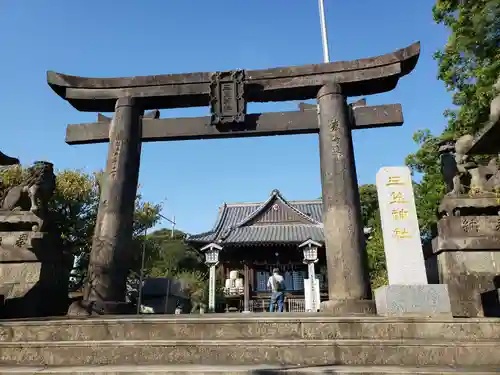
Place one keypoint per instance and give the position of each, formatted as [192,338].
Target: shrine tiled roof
[275,221]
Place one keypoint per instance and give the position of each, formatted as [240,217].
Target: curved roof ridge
[308,201]
[220,218]
[274,194]
[300,213]
[300,201]
[259,209]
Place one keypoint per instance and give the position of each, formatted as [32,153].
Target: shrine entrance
[227,95]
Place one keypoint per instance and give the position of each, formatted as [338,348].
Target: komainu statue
[455,164]
[35,190]
[34,264]
[464,176]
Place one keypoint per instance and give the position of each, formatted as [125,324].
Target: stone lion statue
[455,163]
[35,190]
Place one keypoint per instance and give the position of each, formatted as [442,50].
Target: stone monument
[33,270]
[408,292]
[466,247]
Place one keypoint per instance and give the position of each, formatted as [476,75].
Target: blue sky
[125,38]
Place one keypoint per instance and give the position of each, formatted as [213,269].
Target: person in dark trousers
[277,285]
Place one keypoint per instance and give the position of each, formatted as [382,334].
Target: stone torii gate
[227,94]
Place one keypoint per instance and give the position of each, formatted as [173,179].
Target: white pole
[173,226]
[312,277]
[324,33]
[141,277]
[211,289]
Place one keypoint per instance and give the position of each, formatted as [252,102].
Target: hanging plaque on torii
[227,98]
[227,95]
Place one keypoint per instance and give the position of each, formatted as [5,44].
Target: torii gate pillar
[348,281]
[111,245]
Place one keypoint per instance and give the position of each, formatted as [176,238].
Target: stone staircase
[256,343]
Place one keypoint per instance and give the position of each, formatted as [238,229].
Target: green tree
[167,255]
[375,244]
[469,65]
[73,212]
[370,215]
[196,286]
[369,204]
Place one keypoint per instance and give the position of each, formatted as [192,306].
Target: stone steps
[248,327]
[243,370]
[251,340]
[252,352]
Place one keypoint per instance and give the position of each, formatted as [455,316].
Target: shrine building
[257,237]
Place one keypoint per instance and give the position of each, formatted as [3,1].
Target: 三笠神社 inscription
[227,95]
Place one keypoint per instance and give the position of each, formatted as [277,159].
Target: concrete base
[33,289]
[348,307]
[413,300]
[468,261]
[473,281]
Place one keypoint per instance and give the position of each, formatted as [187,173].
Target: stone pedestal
[466,253]
[413,300]
[346,307]
[34,273]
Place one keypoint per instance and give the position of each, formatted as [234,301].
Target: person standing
[178,308]
[277,285]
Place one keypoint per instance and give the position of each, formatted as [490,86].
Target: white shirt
[279,279]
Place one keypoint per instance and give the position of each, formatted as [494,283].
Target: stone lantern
[310,253]
[211,252]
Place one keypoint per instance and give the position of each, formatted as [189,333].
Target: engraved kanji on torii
[227,93]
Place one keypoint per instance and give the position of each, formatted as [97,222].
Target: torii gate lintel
[227,95]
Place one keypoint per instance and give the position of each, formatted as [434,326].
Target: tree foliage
[370,216]
[170,256]
[167,255]
[374,245]
[73,212]
[469,65]
[369,204]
